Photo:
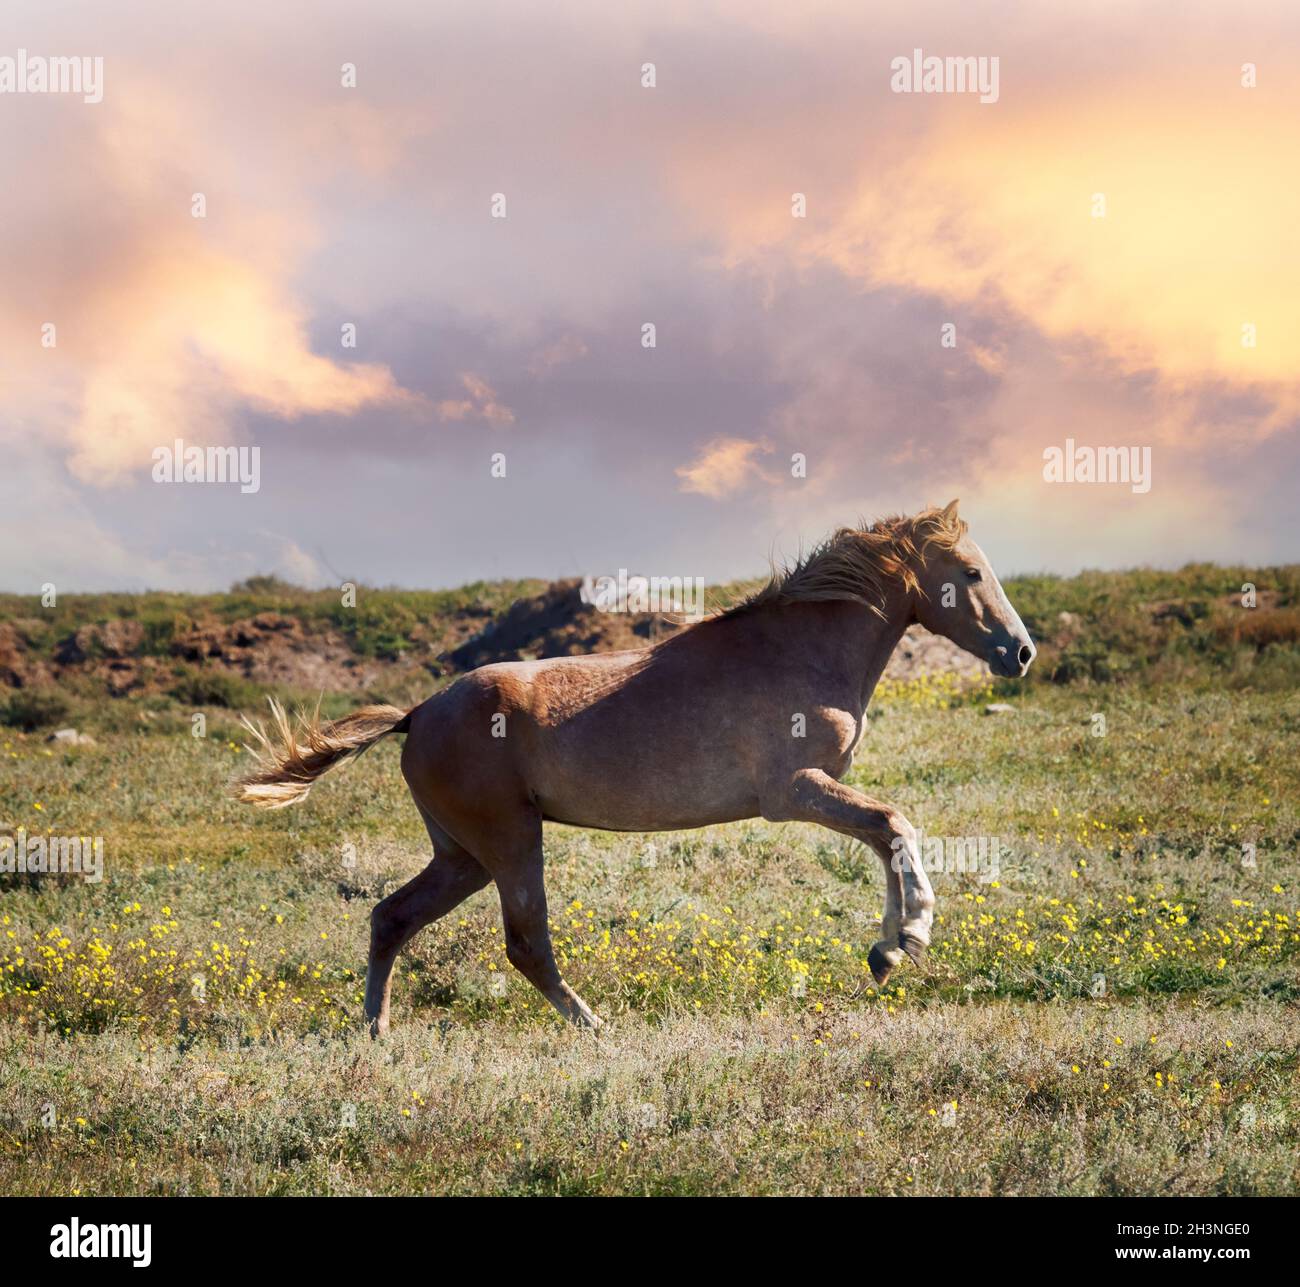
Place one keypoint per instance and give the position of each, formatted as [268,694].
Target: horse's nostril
[1025,655]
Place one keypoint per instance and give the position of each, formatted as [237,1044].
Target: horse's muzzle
[1014,659]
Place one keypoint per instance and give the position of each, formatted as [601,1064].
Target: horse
[752,712]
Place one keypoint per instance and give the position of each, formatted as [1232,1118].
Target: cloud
[197,340]
[295,565]
[482,403]
[821,335]
[724,466]
[1103,227]
[167,325]
[568,348]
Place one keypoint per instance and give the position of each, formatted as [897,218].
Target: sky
[863,300]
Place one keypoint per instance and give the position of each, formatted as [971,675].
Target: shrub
[30,709]
[214,688]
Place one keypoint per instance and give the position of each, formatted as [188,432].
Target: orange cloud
[482,403]
[1150,224]
[724,466]
[194,337]
[1149,228]
[167,325]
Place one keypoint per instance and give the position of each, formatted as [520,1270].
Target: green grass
[1134,627]
[748,1049]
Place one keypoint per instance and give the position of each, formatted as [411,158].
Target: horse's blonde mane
[857,563]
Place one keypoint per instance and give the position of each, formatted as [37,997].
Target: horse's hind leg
[447,881]
[528,936]
[813,796]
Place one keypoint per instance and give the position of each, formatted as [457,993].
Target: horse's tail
[289,765]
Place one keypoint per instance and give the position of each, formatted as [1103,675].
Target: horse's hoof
[880,968]
[914,947]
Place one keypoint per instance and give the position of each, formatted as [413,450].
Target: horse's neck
[877,640]
[841,637]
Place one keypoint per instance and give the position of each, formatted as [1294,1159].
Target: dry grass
[1193,1101]
[749,1051]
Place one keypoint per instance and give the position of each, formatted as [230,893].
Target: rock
[999,708]
[1069,626]
[121,637]
[558,623]
[115,639]
[70,737]
[279,651]
[18,669]
[233,642]
[921,653]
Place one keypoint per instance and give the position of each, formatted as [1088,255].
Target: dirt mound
[116,639]
[273,649]
[18,668]
[436,639]
[235,643]
[557,623]
[282,652]
[106,652]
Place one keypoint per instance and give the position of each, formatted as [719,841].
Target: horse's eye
[972,574]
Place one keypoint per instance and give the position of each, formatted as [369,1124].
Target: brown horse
[754,712]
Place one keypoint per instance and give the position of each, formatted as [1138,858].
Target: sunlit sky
[627,205]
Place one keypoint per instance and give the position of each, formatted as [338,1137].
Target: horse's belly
[630,814]
[643,793]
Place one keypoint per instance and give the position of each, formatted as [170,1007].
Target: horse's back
[612,740]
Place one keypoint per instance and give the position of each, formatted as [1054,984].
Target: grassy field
[1113,1010]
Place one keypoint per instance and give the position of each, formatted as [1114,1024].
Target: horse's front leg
[810,795]
[918,897]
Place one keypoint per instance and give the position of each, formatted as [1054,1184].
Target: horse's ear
[950,511]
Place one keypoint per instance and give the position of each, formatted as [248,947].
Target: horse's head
[962,599]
